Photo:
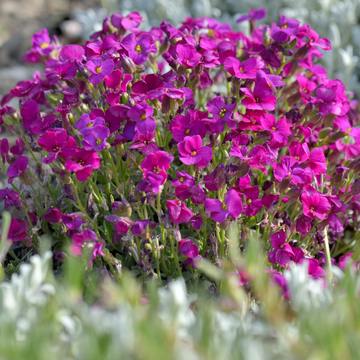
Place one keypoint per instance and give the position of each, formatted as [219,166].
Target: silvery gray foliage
[306,293]
[236,335]
[336,20]
[22,298]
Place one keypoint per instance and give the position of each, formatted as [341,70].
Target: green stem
[175,253]
[327,253]
[114,170]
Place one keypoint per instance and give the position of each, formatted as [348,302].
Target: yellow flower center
[193,153]
[98,141]
[241,70]
[98,69]
[44,45]
[211,33]
[182,179]
[56,148]
[73,218]
[143,117]
[348,130]
[222,113]
[187,132]
[224,207]
[138,48]
[249,201]
[285,26]
[312,209]
[273,128]
[90,124]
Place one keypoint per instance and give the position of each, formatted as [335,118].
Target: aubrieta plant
[148,146]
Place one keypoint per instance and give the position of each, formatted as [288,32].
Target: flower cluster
[158,141]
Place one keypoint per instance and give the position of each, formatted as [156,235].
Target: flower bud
[171,61]
[148,247]
[336,136]
[284,184]
[324,132]
[195,33]
[141,68]
[302,52]
[355,188]
[293,99]
[125,98]
[164,47]
[355,165]
[128,65]
[266,35]
[224,225]
[309,107]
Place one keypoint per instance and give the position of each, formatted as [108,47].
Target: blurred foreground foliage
[83,314]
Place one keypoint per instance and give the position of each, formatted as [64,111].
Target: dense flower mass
[159,142]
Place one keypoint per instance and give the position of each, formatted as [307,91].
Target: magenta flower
[272,80]
[4,149]
[183,178]
[253,15]
[62,71]
[282,251]
[17,230]
[139,228]
[193,153]
[71,52]
[53,215]
[299,152]
[72,221]
[188,56]
[139,50]
[245,70]
[18,148]
[99,69]
[11,197]
[253,204]
[17,168]
[130,22]
[84,161]
[221,112]
[86,238]
[95,138]
[179,213]
[279,130]
[313,268]
[157,163]
[219,211]
[86,121]
[146,143]
[55,142]
[190,250]
[315,205]
[261,99]
[315,39]
[195,193]
[285,28]
[141,113]
[183,126]
[306,87]
[317,161]
[41,46]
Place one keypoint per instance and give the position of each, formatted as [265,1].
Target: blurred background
[74,20]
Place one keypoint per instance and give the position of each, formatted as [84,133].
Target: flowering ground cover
[168,152]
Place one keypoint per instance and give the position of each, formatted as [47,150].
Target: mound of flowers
[148,146]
